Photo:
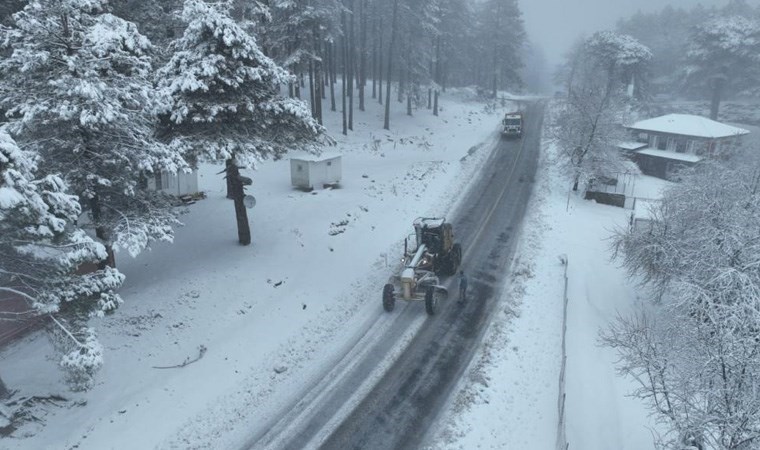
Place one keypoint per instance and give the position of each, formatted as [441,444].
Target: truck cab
[512,125]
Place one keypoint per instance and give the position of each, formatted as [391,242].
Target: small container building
[315,171]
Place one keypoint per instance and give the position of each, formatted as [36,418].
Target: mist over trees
[700,53]
[724,54]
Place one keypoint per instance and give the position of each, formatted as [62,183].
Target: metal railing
[562,443]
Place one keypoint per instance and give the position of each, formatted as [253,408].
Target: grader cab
[431,253]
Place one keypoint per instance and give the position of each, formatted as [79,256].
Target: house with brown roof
[665,144]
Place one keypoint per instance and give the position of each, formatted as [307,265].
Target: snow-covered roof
[687,157]
[688,125]
[324,156]
[631,145]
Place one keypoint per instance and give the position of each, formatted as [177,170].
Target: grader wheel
[431,301]
[389,299]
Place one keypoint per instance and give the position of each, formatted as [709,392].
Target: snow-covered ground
[273,315]
[269,315]
[509,397]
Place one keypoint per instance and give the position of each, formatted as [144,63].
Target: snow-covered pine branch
[221,96]
[40,251]
[79,92]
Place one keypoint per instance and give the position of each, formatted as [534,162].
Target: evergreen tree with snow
[223,100]
[41,250]
[501,35]
[223,94]
[724,53]
[78,90]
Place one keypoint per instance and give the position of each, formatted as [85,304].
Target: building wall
[178,184]
[691,145]
[309,174]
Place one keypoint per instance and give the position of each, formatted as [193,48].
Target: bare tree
[589,123]
[694,351]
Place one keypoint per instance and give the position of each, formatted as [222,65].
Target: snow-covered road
[288,311]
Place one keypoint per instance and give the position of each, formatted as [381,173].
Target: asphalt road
[353,407]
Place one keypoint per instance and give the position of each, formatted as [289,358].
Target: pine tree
[40,251]
[223,99]
[501,35]
[78,90]
[725,52]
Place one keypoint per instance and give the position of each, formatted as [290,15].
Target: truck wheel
[431,301]
[389,300]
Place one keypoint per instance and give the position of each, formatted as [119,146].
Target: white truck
[512,125]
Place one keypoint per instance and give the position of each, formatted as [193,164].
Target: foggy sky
[555,24]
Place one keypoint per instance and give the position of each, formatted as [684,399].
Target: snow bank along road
[388,388]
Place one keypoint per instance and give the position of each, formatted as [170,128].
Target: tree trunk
[401,85]
[351,68]
[312,98]
[437,74]
[241,215]
[332,63]
[380,66]
[101,233]
[387,121]
[362,52]
[717,93]
[408,105]
[319,86]
[430,98]
[374,58]
[227,164]
[4,393]
[345,73]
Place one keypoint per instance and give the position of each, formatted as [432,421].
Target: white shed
[312,171]
[178,183]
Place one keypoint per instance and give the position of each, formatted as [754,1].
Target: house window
[299,168]
[329,163]
[681,145]
[159,180]
[643,138]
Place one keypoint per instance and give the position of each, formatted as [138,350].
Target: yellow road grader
[434,254]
